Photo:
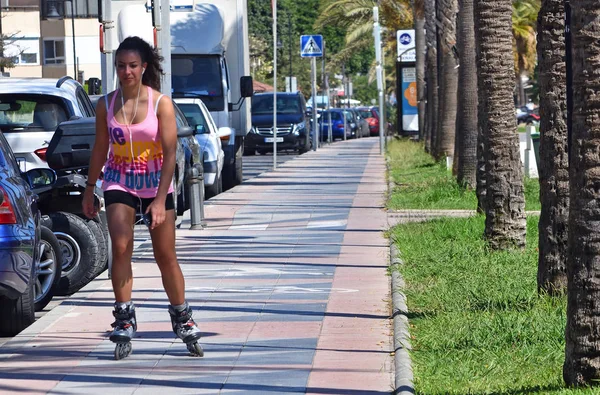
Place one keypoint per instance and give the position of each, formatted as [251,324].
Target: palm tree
[582,361]
[356,16]
[432,77]
[505,224]
[524,16]
[466,116]
[554,156]
[420,48]
[446,11]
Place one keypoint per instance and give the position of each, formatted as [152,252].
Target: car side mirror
[185,131]
[42,177]
[246,86]
[224,133]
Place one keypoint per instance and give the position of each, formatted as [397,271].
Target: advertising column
[406,84]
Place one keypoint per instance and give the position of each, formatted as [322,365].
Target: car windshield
[263,104]
[365,113]
[30,112]
[198,76]
[194,115]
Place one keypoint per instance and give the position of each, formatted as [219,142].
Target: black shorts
[128,199]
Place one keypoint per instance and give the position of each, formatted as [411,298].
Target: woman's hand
[89,204]
[157,212]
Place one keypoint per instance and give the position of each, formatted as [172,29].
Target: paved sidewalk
[289,285]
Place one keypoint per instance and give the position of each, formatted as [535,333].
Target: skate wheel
[195,349]
[122,350]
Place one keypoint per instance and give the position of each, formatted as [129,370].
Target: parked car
[210,141]
[371,115]
[33,108]
[337,124]
[362,126]
[527,116]
[29,253]
[293,124]
[31,113]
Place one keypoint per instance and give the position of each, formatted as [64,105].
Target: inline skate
[125,326]
[186,329]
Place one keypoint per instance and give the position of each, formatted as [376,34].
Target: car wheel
[49,268]
[17,314]
[215,188]
[80,251]
[100,235]
[220,185]
[238,175]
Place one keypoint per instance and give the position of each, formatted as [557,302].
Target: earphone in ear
[143,70]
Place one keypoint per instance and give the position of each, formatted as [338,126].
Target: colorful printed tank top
[134,159]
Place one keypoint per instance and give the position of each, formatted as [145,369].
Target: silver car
[30,111]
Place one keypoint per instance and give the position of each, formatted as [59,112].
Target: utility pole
[313,64]
[345,93]
[290,38]
[274,2]
[323,82]
[378,68]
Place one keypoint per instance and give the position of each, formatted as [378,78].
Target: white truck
[206,51]
[210,61]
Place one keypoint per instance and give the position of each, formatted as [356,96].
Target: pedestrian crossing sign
[311,46]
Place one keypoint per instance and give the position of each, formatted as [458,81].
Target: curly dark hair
[149,55]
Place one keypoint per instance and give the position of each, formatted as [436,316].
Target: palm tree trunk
[505,224]
[466,115]
[582,360]
[420,48]
[432,76]
[446,15]
[554,156]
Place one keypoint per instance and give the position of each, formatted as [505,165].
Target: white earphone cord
[127,125]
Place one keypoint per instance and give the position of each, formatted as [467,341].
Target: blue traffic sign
[311,46]
[405,39]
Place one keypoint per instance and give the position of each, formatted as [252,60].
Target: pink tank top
[134,159]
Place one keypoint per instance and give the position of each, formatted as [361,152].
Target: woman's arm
[168,136]
[97,160]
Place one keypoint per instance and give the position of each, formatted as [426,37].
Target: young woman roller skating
[136,137]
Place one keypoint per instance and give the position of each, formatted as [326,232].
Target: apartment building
[46,39]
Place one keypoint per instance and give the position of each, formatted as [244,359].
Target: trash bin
[535,139]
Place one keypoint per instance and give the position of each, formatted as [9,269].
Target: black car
[30,259]
[293,124]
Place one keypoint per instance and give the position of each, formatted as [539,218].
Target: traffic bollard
[196,183]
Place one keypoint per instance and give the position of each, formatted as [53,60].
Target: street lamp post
[290,39]
[52,13]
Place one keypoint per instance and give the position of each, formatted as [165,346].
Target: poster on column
[410,119]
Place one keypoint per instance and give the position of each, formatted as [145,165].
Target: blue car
[337,124]
[29,262]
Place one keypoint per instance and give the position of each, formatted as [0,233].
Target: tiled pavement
[288,283]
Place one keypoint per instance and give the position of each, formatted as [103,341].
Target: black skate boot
[125,326]
[186,329]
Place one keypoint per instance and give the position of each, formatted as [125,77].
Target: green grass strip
[477,323]
[421,183]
